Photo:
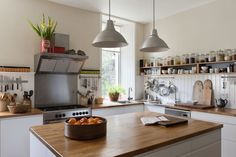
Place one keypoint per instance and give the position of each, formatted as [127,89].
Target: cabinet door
[108,111]
[134,108]
[15,135]
[153,108]
[228,131]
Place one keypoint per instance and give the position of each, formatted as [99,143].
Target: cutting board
[207,93]
[197,91]
[172,121]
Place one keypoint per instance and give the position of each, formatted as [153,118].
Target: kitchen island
[127,136]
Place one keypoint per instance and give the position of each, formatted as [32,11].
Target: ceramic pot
[45,45]
[114,96]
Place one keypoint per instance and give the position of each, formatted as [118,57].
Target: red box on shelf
[59,50]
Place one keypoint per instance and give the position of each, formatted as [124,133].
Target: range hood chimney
[58,63]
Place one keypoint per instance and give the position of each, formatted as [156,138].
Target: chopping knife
[20,81]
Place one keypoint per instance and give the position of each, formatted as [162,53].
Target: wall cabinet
[228,131]
[118,110]
[155,108]
[14,135]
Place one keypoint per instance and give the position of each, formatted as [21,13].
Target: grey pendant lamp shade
[154,43]
[109,37]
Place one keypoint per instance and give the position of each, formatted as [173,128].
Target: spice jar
[192,58]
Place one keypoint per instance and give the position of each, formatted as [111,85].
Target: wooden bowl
[18,108]
[86,132]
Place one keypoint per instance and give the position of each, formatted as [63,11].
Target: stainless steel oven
[178,112]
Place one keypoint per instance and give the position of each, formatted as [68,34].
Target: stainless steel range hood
[58,63]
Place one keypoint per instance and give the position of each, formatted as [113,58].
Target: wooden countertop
[109,104]
[126,136]
[10,115]
[215,110]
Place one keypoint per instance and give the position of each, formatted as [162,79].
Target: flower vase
[45,46]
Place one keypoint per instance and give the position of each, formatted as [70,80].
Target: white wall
[208,27]
[18,43]
[200,30]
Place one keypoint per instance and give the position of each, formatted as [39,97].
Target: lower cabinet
[155,108]
[14,135]
[118,110]
[228,133]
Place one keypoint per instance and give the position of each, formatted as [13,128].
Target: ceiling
[136,10]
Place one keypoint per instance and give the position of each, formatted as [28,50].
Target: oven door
[178,112]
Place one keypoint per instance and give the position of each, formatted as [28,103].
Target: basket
[3,106]
[19,108]
[98,100]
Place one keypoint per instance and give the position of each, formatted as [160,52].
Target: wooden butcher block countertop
[126,136]
[215,110]
[11,115]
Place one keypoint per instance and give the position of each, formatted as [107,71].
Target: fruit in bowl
[85,128]
[85,121]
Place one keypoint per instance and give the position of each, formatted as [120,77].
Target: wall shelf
[198,66]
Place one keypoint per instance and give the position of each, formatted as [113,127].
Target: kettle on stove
[221,102]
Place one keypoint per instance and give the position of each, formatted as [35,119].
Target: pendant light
[154,43]
[109,38]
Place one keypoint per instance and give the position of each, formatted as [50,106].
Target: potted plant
[115,91]
[45,31]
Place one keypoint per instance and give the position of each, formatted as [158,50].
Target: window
[110,66]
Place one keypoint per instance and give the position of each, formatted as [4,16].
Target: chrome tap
[129,91]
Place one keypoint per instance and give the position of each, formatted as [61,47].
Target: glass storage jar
[206,57]
[187,59]
[212,56]
[201,58]
[228,55]
[182,59]
[220,56]
[192,58]
[177,60]
[234,54]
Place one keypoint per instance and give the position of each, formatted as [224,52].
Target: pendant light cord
[153,13]
[109,9]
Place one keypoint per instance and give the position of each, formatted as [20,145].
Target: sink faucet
[129,91]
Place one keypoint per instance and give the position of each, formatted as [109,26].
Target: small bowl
[204,68]
[164,71]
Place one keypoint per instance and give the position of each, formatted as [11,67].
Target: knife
[20,81]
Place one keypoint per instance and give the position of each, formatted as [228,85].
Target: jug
[221,102]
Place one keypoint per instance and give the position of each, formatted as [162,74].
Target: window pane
[110,70]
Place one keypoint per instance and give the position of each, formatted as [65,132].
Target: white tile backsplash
[185,84]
